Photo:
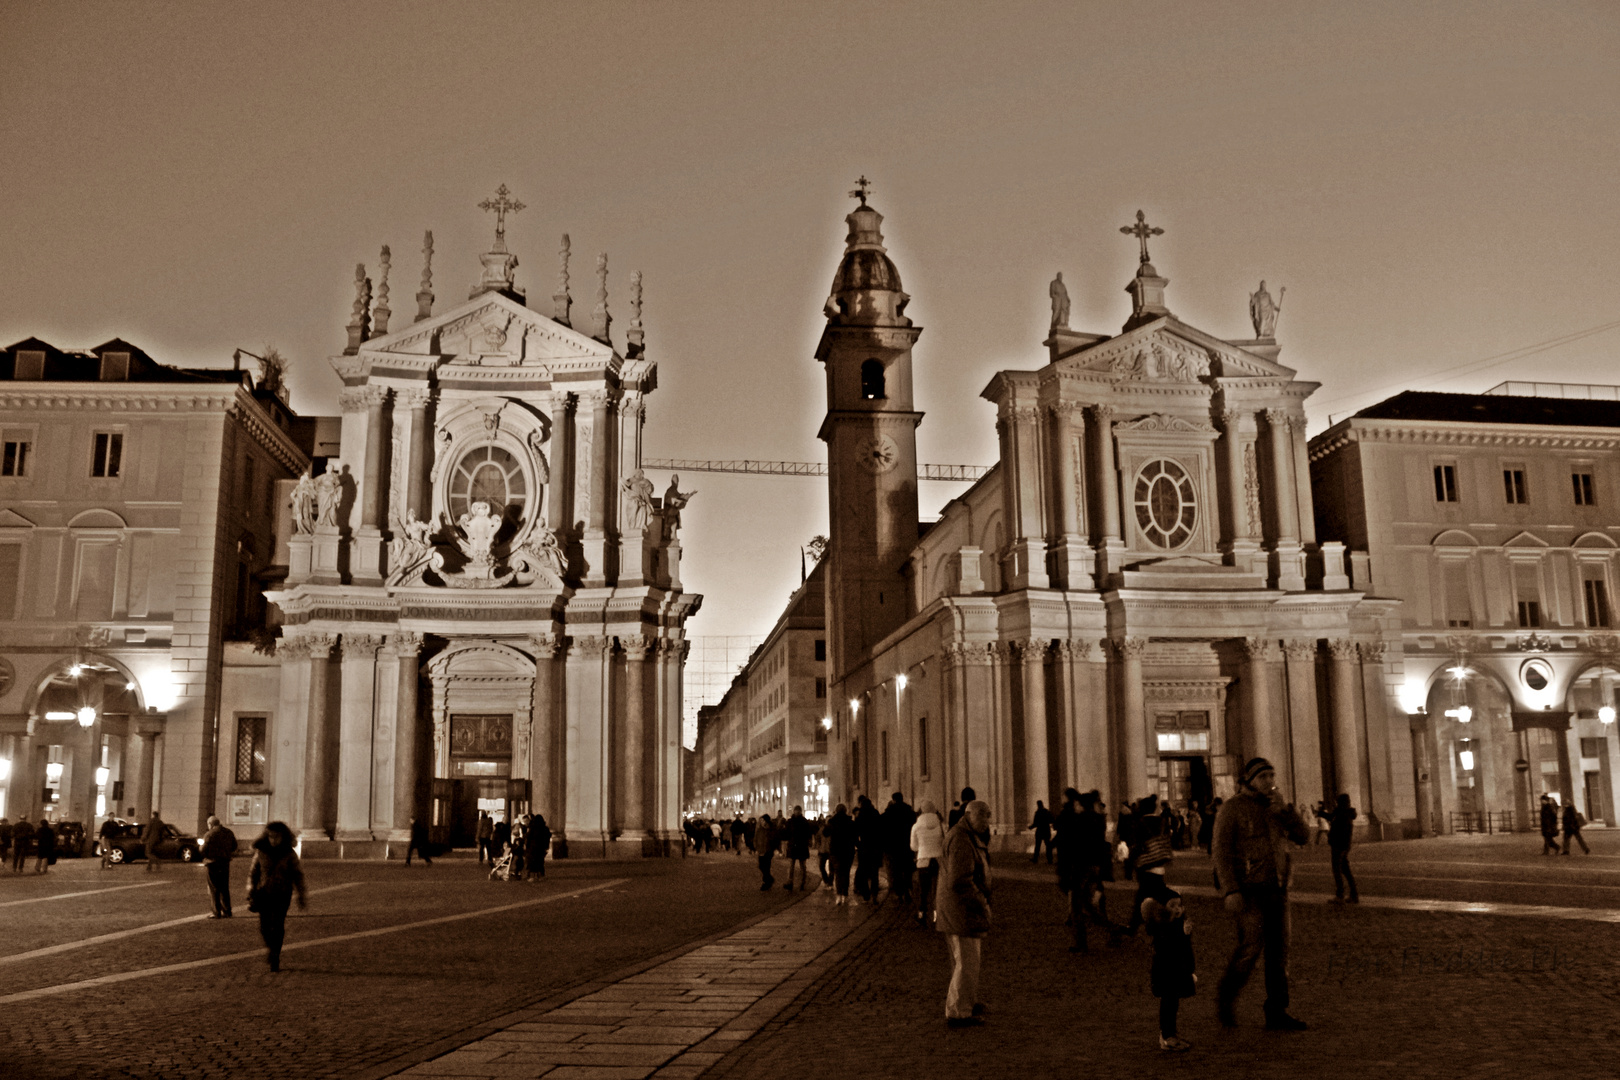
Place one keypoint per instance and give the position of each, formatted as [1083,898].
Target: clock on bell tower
[871,434]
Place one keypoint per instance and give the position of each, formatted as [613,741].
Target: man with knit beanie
[1252,864]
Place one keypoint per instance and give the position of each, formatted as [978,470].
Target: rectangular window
[1445,483]
[114,366]
[922,744]
[1513,485]
[883,752]
[1529,614]
[30,364]
[821,689]
[17,452]
[1459,607]
[108,456]
[247,486]
[10,579]
[250,749]
[1597,603]
[1585,494]
[821,650]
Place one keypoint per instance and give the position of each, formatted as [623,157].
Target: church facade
[483,607]
[1133,599]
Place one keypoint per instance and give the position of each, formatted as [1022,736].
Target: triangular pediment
[10,519]
[1526,540]
[490,330]
[1168,350]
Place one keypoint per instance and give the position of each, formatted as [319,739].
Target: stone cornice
[1460,433]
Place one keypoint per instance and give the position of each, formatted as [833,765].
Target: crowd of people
[515,851]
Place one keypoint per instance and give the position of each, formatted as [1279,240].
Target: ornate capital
[544,646]
[1603,644]
[1074,649]
[1104,414]
[1257,648]
[593,399]
[361,646]
[291,649]
[319,645]
[1279,418]
[1231,419]
[590,647]
[635,646]
[1372,652]
[1342,649]
[1299,648]
[405,645]
[360,398]
[412,399]
[1032,650]
[1130,648]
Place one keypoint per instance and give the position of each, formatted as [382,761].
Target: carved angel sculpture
[539,559]
[303,505]
[411,551]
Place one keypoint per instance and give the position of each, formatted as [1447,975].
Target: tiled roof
[1494,409]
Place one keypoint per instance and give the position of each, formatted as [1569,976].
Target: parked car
[125,844]
[69,838]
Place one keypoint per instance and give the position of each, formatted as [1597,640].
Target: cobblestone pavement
[351,1008]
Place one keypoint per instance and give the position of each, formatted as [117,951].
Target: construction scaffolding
[713,662]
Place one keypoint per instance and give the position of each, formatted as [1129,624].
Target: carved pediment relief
[1164,422]
[491,330]
[1157,357]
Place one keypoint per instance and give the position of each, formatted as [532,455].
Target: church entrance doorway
[480,771]
[1185,779]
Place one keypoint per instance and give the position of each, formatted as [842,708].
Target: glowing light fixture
[76,670]
[53,770]
[826,721]
[1412,697]
[1467,759]
[1459,672]
[5,768]
[900,681]
[58,714]
[1462,714]
[854,705]
[101,776]
[129,686]
[1606,714]
[87,716]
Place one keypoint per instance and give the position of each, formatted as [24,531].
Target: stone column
[1348,746]
[1025,558]
[1304,730]
[407,732]
[1112,551]
[1264,734]
[633,755]
[356,716]
[589,711]
[1380,794]
[418,447]
[1068,425]
[1037,757]
[1290,570]
[320,772]
[543,752]
[365,545]
[1136,778]
[1302,482]
[562,463]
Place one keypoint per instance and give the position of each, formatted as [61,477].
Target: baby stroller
[504,869]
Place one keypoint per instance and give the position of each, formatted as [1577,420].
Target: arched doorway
[1471,748]
[1594,701]
[72,767]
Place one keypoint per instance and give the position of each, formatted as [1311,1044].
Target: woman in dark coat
[45,846]
[276,876]
[537,839]
[840,830]
[869,849]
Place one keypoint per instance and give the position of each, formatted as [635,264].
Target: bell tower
[871,434]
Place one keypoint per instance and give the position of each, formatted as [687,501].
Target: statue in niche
[1060,302]
[303,505]
[1263,311]
[328,494]
[675,501]
[639,504]
[479,526]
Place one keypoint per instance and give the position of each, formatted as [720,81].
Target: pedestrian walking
[823,852]
[841,846]
[1041,823]
[1573,820]
[22,843]
[963,912]
[150,838]
[538,840]
[796,838]
[1252,863]
[898,817]
[1125,833]
[1154,853]
[1206,829]
[485,837]
[1173,975]
[1320,816]
[957,808]
[418,842]
[45,847]
[277,876]
[765,839]
[1341,825]
[1549,826]
[868,850]
[738,829]
[218,848]
[1085,860]
[104,836]
[928,848]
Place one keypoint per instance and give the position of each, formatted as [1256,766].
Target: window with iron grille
[250,749]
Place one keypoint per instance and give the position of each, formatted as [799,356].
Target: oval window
[487,474]
[1166,507]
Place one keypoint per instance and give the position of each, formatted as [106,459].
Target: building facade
[1493,518]
[1133,599]
[137,526]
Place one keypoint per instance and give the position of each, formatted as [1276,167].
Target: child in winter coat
[1172,976]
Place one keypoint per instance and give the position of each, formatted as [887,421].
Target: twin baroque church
[1133,599]
[483,607]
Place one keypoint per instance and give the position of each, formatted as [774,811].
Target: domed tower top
[866,289]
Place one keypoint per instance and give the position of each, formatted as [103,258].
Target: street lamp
[87,715]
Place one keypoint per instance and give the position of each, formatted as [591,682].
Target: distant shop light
[1467,759]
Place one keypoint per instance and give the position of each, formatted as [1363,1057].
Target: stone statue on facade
[539,559]
[1263,311]
[328,494]
[303,505]
[479,526]
[639,501]
[1060,302]
[675,501]
[411,551]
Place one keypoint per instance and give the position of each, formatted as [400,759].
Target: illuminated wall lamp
[1606,714]
[1466,757]
[58,714]
[900,681]
[855,705]
[826,721]
[87,716]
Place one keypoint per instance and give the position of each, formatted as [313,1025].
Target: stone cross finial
[502,206]
[636,337]
[560,299]
[362,300]
[863,188]
[1141,230]
[601,317]
[424,295]
[381,313]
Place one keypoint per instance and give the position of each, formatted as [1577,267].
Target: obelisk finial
[560,300]
[600,316]
[637,339]
[381,313]
[362,300]
[424,295]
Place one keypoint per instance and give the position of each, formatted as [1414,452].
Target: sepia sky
[1435,185]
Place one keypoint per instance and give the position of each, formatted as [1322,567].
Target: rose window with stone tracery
[1166,504]
[487,474]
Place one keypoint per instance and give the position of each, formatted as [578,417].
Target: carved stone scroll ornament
[361,646]
[1342,649]
[319,645]
[1130,648]
[406,645]
[411,552]
[1251,486]
[544,646]
[538,561]
[542,467]
[1075,649]
[1032,650]
[1373,652]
